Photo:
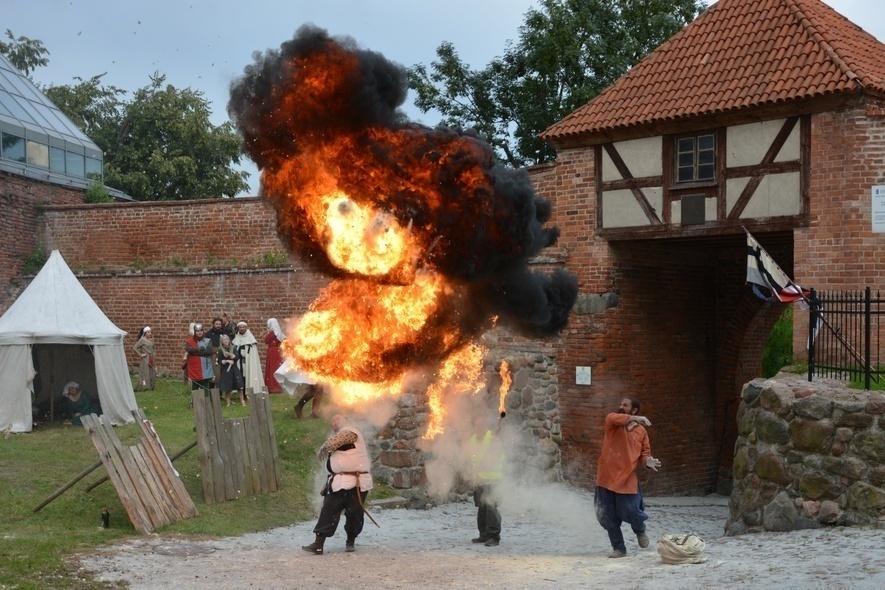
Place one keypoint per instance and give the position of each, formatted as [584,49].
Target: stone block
[850,467]
[870,445]
[813,408]
[771,467]
[817,486]
[856,420]
[812,436]
[866,498]
[771,429]
[776,397]
[829,512]
[750,392]
[781,515]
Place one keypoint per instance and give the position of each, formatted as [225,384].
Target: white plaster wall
[747,144]
[642,157]
[777,194]
[620,208]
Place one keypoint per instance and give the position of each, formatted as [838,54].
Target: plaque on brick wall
[879,209]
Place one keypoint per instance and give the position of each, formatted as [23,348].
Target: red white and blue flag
[763,271]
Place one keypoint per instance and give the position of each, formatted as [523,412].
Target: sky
[205,44]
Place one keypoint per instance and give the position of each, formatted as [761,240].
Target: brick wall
[166,264]
[21,200]
[839,250]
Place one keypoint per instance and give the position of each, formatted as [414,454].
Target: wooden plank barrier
[238,456]
[148,486]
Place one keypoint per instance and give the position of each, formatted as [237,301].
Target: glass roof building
[37,140]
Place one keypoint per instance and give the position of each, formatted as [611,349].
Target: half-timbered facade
[767,115]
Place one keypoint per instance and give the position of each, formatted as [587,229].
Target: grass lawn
[34,547]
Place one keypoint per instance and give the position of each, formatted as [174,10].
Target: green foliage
[24,53]
[567,52]
[139,262]
[97,193]
[160,144]
[778,350]
[37,549]
[94,108]
[35,261]
[178,262]
[273,258]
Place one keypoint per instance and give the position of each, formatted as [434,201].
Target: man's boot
[349,545]
[317,546]
[298,407]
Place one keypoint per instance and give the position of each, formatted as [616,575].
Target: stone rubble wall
[398,454]
[808,454]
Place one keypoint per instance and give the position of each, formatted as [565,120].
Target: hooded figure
[251,362]
[274,360]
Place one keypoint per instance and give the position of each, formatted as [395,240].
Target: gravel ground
[553,542]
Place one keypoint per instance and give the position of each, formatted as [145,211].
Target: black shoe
[313,548]
[348,546]
[479,540]
[492,542]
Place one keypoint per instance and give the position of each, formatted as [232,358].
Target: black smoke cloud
[480,222]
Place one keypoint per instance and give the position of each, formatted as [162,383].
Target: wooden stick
[172,458]
[65,487]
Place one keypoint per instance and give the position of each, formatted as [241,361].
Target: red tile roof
[738,54]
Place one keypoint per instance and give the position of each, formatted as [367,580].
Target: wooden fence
[143,475]
[238,456]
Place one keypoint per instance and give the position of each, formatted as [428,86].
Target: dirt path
[432,549]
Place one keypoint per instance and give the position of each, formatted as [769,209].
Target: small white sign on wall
[582,375]
[879,209]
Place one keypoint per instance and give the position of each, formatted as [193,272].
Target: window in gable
[696,158]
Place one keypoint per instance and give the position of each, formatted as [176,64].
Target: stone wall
[807,455]
[400,455]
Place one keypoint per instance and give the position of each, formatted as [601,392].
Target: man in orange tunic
[618,495]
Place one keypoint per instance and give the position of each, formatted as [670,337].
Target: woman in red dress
[274,357]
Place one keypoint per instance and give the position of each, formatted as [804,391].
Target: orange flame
[506,380]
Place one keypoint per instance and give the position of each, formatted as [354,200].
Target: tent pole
[63,488]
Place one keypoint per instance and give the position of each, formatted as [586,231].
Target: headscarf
[67,389]
[144,331]
[274,325]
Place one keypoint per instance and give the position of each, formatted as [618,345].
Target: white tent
[56,322]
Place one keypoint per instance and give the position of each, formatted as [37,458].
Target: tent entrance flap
[56,365]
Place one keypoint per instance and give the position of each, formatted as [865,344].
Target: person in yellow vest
[347,485]
[487,466]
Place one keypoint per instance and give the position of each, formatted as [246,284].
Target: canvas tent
[55,333]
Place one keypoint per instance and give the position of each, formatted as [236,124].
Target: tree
[25,54]
[168,149]
[567,52]
[94,108]
[160,145]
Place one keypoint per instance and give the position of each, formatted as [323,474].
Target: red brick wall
[21,200]
[168,234]
[166,264]
[839,249]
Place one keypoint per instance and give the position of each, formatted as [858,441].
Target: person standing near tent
[274,358]
[79,403]
[250,361]
[144,348]
[199,363]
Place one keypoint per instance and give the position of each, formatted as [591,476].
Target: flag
[763,271]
